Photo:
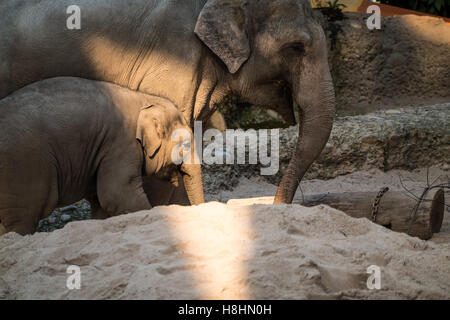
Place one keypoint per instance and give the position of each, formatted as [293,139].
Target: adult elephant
[193,52]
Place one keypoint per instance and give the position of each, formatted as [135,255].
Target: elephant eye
[294,48]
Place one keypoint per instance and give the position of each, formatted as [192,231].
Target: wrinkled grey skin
[65,139]
[192,52]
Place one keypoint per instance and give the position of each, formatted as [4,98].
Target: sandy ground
[218,251]
[371,180]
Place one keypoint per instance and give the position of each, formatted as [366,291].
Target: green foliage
[437,7]
[240,115]
[332,10]
[335,5]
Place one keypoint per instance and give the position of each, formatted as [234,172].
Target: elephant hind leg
[2,229]
[18,220]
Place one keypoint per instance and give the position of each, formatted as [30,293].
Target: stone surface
[60,217]
[405,138]
[404,63]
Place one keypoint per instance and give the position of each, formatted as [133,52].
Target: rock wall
[405,63]
[405,138]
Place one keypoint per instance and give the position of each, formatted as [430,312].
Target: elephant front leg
[120,190]
[97,212]
[159,192]
[179,195]
[163,193]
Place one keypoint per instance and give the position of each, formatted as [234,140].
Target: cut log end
[437,211]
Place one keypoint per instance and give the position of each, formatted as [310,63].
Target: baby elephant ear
[221,25]
[148,132]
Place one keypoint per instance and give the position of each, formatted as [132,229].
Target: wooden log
[394,211]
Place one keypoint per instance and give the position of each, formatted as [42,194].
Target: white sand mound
[219,251]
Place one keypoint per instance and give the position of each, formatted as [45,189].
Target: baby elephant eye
[185,147]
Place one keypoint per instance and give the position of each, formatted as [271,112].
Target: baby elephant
[65,139]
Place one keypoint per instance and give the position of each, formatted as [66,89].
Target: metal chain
[376,203]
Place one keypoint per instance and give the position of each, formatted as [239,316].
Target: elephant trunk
[314,93]
[192,178]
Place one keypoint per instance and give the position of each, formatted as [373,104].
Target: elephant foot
[97,213]
[179,196]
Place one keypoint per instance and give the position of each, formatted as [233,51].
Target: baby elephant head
[166,140]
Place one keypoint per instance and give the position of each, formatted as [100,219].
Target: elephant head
[163,154]
[276,52]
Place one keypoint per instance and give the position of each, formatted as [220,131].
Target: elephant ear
[149,131]
[221,25]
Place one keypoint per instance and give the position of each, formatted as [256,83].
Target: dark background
[437,7]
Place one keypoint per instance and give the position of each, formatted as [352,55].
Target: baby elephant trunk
[192,178]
